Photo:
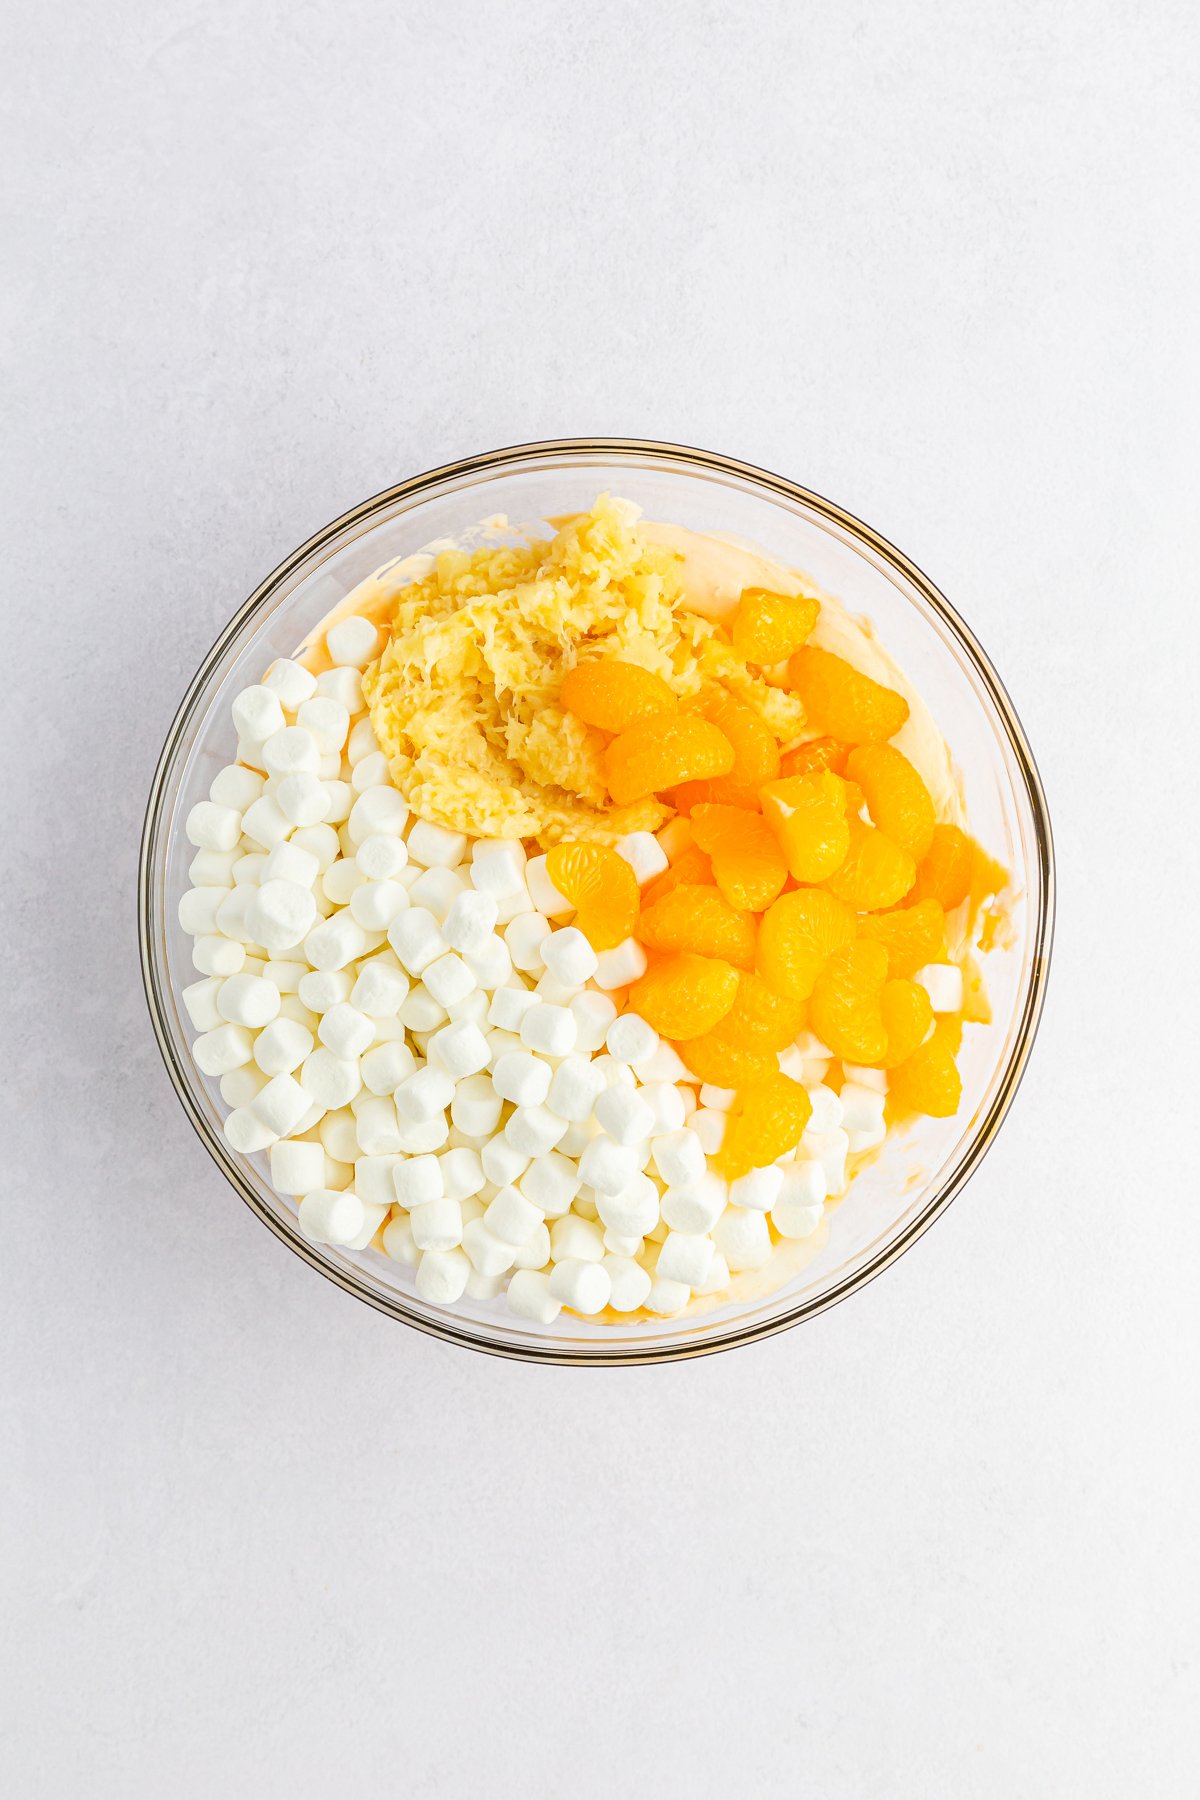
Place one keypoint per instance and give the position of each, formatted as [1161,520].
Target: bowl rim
[688,459]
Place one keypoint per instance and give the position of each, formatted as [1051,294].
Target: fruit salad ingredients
[841,701]
[660,751]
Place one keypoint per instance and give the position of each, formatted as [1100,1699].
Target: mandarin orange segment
[876,872]
[601,887]
[761,1019]
[611,694]
[817,754]
[897,798]
[846,1008]
[912,935]
[661,751]
[714,1059]
[755,755]
[946,868]
[691,868]
[928,1081]
[843,702]
[746,860]
[907,1016]
[684,996]
[807,814]
[768,626]
[699,919]
[763,1124]
[797,936]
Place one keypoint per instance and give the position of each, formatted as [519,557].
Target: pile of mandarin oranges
[810,888]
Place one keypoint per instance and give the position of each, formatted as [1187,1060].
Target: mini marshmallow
[398,1242]
[339,799]
[373,1217]
[297,1168]
[644,854]
[667,1297]
[342,685]
[201,1002]
[434,846]
[551,1182]
[943,983]
[290,862]
[281,1104]
[212,868]
[236,787]
[535,1252]
[248,1000]
[498,867]
[386,1066]
[321,989]
[593,1014]
[861,1108]
[550,1030]
[224,1048]
[339,1138]
[679,1157]
[509,1006]
[328,1080]
[630,1039]
[512,1218]
[624,963]
[425,1137]
[213,827]
[491,966]
[758,1189]
[521,1078]
[290,682]
[529,1297]
[696,1205]
[607,1166]
[370,771]
[865,1076]
[624,1115]
[525,937]
[248,1134]
[471,1009]
[826,1112]
[321,841]
[470,922]
[420,1012]
[685,1257]
[572,1236]
[556,993]
[509,906]
[381,857]
[380,989]
[415,937]
[328,1217]
[488,1255]
[379,810]
[375,904]
[352,642]
[442,1276]
[282,1047]
[534,1130]
[248,868]
[616,1244]
[257,714]
[327,719]
[568,956]
[666,1102]
[743,1238]
[574,1088]
[304,800]
[831,1150]
[448,978]
[709,1127]
[217,955]
[346,1031]
[416,1180]
[376,1126]
[232,914]
[198,907]
[476,1106]
[460,1048]
[502,1162]
[337,941]
[547,898]
[629,1283]
[634,1211]
[281,913]
[462,1173]
[424,1095]
[717,1099]
[583,1286]
[292,751]
[373,1179]
[361,742]
[266,823]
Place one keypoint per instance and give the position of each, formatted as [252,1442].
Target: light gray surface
[935,262]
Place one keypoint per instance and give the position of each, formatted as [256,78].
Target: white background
[938,262]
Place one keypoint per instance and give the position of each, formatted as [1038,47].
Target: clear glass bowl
[917,1174]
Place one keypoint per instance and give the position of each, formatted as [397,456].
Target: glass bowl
[918,1173]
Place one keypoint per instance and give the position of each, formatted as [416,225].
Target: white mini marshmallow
[341,881]
[328,1080]
[551,992]
[376,1126]
[865,1076]
[667,1297]
[644,854]
[352,642]
[236,787]
[201,1002]
[248,1000]
[282,1047]
[379,811]
[381,857]
[339,798]
[679,1157]
[216,955]
[634,1211]
[448,978]
[292,751]
[198,907]
[574,1088]
[426,1137]
[831,1149]
[297,1168]
[491,966]
[534,1130]
[327,719]
[717,1099]
[290,862]
[266,823]
[338,940]
[370,772]
[470,1009]
[488,1255]
[434,846]
[535,1252]
[257,714]
[607,1166]
[329,1217]
[547,898]
[224,1048]
[630,1039]
[417,1180]
[583,1286]
[247,1134]
[522,1078]
[291,682]
[338,1136]
[462,1173]
[861,1109]
[509,1006]
[551,1182]
[321,989]
[442,1276]
[470,922]
[629,1283]
[437,1225]
[304,800]
[376,904]
[943,983]
[233,912]
[549,1030]
[568,956]
[624,963]
[249,865]
[346,1031]
[743,1238]
[695,1205]
[758,1189]
[826,1108]
[424,1095]
[460,1048]
[281,1104]
[512,1218]
[344,686]
[212,868]
[281,914]
[498,867]
[361,742]
[709,1126]
[594,1014]
[624,1115]
[416,938]
[685,1256]
[380,989]
[398,1241]
[572,1236]
[528,1296]
[666,1102]
[525,937]
[386,1065]
[476,1106]
[213,827]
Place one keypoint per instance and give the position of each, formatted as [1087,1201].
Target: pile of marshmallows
[433,1064]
